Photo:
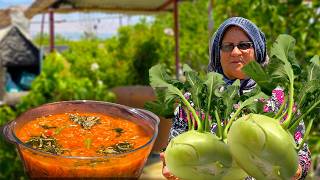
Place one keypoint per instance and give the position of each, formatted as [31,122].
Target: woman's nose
[236,51]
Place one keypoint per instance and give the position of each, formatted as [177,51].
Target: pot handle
[6,131]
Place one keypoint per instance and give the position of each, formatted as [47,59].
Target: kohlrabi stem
[190,124]
[206,128]
[306,134]
[193,112]
[225,132]
[280,118]
[286,123]
[301,99]
[206,122]
[296,123]
[218,123]
[283,105]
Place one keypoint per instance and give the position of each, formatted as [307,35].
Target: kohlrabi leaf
[160,106]
[277,72]
[310,110]
[309,95]
[308,89]
[230,97]
[196,87]
[186,68]
[214,81]
[159,78]
[315,60]
[161,73]
[255,71]
[314,70]
[253,99]
[258,105]
[282,49]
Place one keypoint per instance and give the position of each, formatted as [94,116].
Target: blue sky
[7,3]
[73,25]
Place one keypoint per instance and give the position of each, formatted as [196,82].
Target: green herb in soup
[117,148]
[86,122]
[119,131]
[44,143]
[48,127]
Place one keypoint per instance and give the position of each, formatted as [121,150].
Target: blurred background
[106,56]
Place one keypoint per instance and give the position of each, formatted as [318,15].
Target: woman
[236,42]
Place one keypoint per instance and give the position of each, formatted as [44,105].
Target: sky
[73,25]
[7,3]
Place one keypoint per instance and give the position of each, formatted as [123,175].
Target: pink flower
[279,94]
[265,108]
[298,136]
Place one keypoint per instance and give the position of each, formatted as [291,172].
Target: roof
[16,48]
[7,29]
[110,6]
[12,15]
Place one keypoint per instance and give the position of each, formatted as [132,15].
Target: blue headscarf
[259,44]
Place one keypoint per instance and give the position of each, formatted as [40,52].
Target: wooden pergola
[108,6]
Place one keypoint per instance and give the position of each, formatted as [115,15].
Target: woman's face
[233,59]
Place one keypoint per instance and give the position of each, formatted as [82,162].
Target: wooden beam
[42,29]
[100,9]
[37,7]
[165,5]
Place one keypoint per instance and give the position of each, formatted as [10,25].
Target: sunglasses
[228,47]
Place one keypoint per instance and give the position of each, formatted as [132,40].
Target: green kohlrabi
[263,146]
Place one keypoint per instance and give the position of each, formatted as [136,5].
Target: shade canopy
[110,6]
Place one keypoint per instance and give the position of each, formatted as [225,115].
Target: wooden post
[41,42]
[176,37]
[210,17]
[51,28]
[41,29]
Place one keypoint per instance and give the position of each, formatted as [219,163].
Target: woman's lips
[235,62]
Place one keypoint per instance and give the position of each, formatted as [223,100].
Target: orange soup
[86,135]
